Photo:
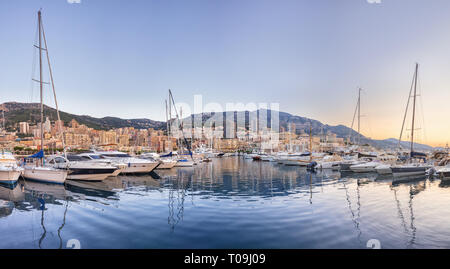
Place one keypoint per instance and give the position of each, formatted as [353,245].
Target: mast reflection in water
[228,203]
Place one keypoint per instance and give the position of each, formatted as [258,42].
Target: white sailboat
[182,161]
[345,165]
[37,171]
[411,169]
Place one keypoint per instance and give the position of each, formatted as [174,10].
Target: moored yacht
[9,170]
[165,162]
[80,169]
[383,169]
[37,170]
[329,161]
[184,163]
[365,167]
[43,173]
[98,158]
[444,172]
[412,169]
[134,165]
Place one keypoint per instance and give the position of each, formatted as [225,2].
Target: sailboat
[411,169]
[345,165]
[182,160]
[37,171]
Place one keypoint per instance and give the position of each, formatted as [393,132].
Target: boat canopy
[362,155]
[419,155]
[166,155]
[37,155]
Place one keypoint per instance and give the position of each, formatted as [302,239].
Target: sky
[119,58]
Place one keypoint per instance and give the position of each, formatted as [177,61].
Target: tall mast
[310,141]
[59,124]
[359,116]
[40,81]
[414,108]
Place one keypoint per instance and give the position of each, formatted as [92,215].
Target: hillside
[30,112]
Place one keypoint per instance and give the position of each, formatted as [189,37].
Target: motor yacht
[365,167]
[134,165]
[82,169]
[184,163]
[412,169]
[329,161]
[9,169]
[165,162]
[99,158]
[383,169]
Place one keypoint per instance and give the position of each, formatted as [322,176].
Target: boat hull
[384,170]
[117,172]
[408,171]
[345,167]
[184,164]
[46,175]
[328,165]
[9,176]
[362,169]
[295,163]
[90,174]
[166,165]
[139,168]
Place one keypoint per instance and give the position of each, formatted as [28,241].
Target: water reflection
[232,194]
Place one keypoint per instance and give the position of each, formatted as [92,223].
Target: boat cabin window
[118,155]
[57,160]
[74,158]
[96,157]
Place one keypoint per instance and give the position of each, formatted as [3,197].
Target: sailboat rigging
[411,169]
[39,172]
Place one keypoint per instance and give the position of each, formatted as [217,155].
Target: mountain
[391,143]
[30,112]
[302,125]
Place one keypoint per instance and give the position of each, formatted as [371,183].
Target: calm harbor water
[228,203]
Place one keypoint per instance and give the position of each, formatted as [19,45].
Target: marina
[180,136]
[266,205]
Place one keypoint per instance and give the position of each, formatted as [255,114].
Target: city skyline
[309,56]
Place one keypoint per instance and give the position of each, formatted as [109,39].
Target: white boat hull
[9,176]
[185,164]
[56,176]
[384,170]
[328,165]
[408,171]
[295,163]
[117,172]
[167,165]
[89,177]
[139,168]
[362,169]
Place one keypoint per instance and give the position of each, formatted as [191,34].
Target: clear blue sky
[118,58]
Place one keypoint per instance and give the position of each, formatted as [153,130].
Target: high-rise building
[24,127]
[47,125]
